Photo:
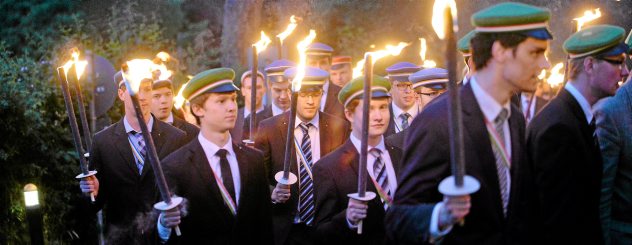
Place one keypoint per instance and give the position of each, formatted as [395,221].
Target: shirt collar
[356,142]
[276,110]
[583,103]
[489,106]
[247,110]
[128,127]
[211,148]
[314,121]
[398,111]
[170,118]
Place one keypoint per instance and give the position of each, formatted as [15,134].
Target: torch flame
[262,44]
[137,70]
[389,50]
[588,17]
[289,29]
[80,65]
[542,75]
[556,78]
[178,101]
[300,69]
[164,56]
[422,53]
[438,16]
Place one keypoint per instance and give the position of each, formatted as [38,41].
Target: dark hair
[354,103]
[575,67]
[482,44]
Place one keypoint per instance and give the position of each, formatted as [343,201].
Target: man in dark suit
[562,145]
[428,84]
[319,55]
[162,105]
[336,175]
[125,184]
[237,133]
[506,63]
[279,92]
[404,107]
[224,183]
[324,133]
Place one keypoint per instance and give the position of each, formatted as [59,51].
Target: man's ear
[121,94]
[499,52]
[588,65]
[349,115]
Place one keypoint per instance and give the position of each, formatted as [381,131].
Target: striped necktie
[141,149]
[306,188]
[379,171]
[502,167]
[404,117]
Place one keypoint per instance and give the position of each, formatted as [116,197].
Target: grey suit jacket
[614,129]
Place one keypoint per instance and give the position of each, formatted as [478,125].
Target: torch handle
[92,197]
[253,93]
[74,128]
[366,104]
[178,233]
[360,227]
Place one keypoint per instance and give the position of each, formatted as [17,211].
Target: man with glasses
[563,149]
[615,136]
[315,135]
[404,107]
[319,56]
[428,84]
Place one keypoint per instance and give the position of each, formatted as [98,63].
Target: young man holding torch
[162,105]
[316,134]
[225,183]
[508,51]
[319,56]
[125,183]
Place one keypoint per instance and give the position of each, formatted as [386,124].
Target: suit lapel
[351,155]
[121,143]
[244,173]
[324,133]
[203,167]
[477,136]
[159,143]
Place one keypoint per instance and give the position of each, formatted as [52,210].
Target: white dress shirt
[314,137]
[583,103]
[323,99]
[528,105]
[276,110]
[397,112]
[386,158]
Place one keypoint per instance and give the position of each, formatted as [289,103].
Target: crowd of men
[550,172]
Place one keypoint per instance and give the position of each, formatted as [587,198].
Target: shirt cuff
[435,232]
[351,226]
[163,232]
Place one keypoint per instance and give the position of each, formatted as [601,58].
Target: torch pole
[458,184]
[286,177]
[167,201]
[253,94]
[93,115]
[362,194]
[82,110]
[74,127]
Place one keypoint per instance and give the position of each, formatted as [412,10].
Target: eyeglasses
[404,86]
[432,93]
[618,63]
[310,94]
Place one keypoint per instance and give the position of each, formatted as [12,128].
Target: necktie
[404,117]
[227,174]
[593,129]
[502,167]
[140,142]
[379,171]
[306,193]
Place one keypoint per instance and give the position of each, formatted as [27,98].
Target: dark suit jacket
[237,133]
[271,140]
[332,105]
[567,169]
[427,162]
[391,123]
[262,115]
[335,176]
[191,130]
[397,140]
[539,104]
[126,196]
[209,220]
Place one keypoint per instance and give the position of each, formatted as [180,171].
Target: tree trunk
[241,28]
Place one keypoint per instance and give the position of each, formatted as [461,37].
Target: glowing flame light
[289,29]
[164,56]
[542,75]
[165,74]
[389,50]
[588,17]
[179,100]
[137,71]
[422,53]
[300,69]
[80,65]
[556,77]
[438,16]
[263,43]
